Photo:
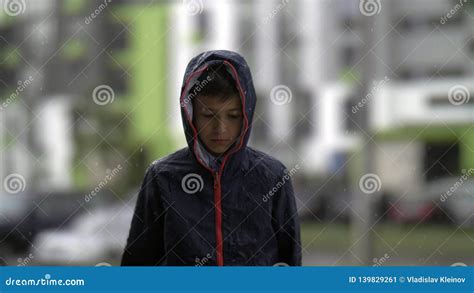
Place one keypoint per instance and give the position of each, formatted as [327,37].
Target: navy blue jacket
[196,210]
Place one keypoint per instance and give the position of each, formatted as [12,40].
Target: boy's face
[218,121]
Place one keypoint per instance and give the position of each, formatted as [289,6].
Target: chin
[219,151]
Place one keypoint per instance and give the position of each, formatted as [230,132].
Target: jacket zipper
[217,201]
[216,175]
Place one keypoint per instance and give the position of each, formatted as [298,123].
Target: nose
[219,126]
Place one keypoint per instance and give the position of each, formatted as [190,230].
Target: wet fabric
[192,210]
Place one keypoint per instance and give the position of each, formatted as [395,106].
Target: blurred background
[368,103]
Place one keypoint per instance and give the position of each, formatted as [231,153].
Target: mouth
[220,141]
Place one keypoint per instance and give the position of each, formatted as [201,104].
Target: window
[304,113]
[441,160]
[351,113]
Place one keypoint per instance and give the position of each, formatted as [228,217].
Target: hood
[237,66]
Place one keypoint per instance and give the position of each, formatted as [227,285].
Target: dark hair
[215,81]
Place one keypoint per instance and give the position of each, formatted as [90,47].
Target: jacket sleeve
[286,223]
[145,245]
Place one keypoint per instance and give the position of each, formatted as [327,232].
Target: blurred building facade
[314,48]
[140,49]
[54,55]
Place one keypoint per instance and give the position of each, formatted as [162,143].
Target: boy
[210,203]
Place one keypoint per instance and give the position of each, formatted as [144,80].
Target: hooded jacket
[195,210]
